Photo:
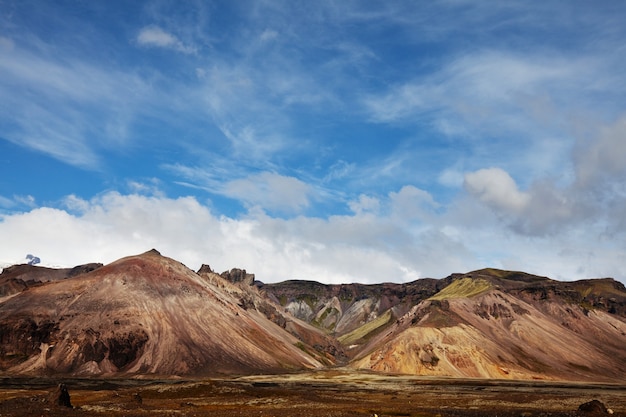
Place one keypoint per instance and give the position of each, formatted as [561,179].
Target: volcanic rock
[593,408]
[60,396]
[237,275]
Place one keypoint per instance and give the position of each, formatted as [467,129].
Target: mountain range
[151,316]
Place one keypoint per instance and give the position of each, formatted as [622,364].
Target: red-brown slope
[144,314]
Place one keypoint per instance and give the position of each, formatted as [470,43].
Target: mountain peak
[152,252]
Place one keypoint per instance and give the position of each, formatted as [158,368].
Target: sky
[336,141]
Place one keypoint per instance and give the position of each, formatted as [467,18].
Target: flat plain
[331,393]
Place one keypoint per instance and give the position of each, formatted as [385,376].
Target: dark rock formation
[21,338]
[83,269]
[61,396]
[594,408]
[124,349]
[237,275]
[204,269]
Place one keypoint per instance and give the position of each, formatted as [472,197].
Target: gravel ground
[330,395]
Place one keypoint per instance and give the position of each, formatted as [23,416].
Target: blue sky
[333,141]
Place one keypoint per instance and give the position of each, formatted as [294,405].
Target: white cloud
[364,247]
[270,191]
[542,209]
[113,225]
[587,199]
[604,157]
[365,204]
[154,36]
[411,203]
[496,188]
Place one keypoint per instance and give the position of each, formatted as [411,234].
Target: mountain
[485,324]
[149,314]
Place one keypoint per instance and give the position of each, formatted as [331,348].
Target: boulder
[593,407]
[61,396]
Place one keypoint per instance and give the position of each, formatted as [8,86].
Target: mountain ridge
[149,315]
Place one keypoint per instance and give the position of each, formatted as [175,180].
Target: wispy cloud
[265,190]
[154,36]
[485,86]
[65,106]
[270,191]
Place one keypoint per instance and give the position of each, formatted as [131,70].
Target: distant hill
[151,315]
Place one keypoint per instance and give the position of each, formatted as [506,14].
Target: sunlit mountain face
[150,315]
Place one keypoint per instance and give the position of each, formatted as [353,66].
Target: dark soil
[330,395]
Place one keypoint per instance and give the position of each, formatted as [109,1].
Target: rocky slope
[488,324]
[149,314]
[498,324]
[341,309]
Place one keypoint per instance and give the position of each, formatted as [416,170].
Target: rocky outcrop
[237,276]
[83,269]
[60,396]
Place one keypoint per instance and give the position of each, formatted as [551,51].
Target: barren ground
[327,393]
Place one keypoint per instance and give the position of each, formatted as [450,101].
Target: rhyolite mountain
[486,324]
[151,315]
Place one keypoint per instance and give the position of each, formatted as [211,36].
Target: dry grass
[463,288]
[333,393]
[365,330]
